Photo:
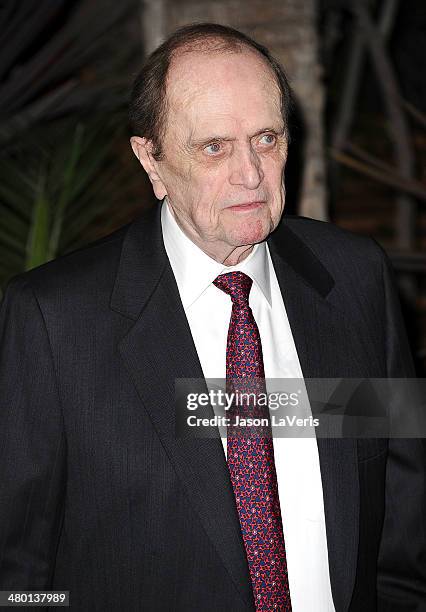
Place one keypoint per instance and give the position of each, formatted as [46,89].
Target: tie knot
[235,284]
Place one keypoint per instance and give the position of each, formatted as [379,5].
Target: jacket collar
[290,250]
[144,259]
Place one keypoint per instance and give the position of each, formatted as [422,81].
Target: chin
[250,232]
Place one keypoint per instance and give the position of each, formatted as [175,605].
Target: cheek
[176,179]
[274,179]
[273,170]
[208,191]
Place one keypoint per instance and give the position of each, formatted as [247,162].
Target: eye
[268,139]
[213,148]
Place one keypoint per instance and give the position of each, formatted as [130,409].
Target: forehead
[222,87]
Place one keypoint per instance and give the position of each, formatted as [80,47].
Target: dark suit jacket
[99,497]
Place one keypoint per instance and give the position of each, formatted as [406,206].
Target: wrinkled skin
[224,151]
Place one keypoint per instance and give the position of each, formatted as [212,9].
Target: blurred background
[357,157]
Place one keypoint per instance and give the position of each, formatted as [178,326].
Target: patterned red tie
[251,458]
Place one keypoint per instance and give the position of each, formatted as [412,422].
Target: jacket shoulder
[332,244]
[77,273]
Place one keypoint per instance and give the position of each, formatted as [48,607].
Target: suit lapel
[157,350]
[320,333]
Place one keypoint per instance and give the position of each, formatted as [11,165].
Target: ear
[142,148]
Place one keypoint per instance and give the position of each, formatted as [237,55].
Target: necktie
[251,458]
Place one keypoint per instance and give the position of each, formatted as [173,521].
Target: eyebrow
[202,142]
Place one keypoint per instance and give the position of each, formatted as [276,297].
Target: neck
[229,256]
[237,255]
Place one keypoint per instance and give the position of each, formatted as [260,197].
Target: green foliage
[50,193]
[64,77]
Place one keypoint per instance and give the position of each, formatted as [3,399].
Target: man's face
[224,151]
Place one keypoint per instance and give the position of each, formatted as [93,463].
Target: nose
[246,168]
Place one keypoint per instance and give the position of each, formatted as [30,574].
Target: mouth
[245,206]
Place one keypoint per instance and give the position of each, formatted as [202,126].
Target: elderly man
[99,496]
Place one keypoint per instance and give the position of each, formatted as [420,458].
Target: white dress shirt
[208,310]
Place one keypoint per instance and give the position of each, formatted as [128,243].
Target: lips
[246,206]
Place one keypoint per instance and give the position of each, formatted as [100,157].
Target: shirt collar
[194,270]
